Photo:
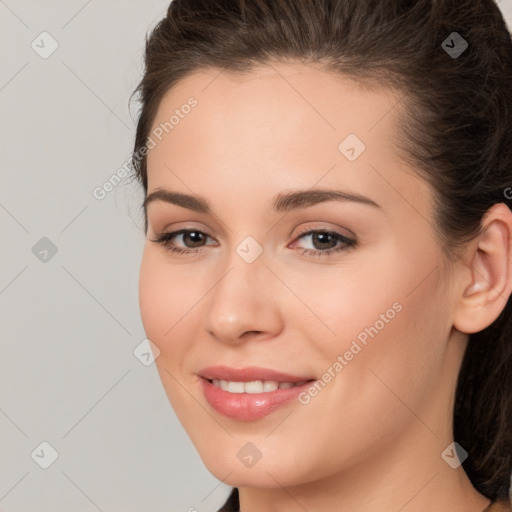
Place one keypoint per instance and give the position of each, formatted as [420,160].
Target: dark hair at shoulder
[456,131]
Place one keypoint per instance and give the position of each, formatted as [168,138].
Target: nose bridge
[244,268]
[240,285]
[239,300]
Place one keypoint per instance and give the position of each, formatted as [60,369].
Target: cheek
[398,365]
[161,307]
[402,357]
[158,300]
[150,297]
[169,301]
[345,304]
[385,326]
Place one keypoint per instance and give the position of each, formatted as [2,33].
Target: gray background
[70,319]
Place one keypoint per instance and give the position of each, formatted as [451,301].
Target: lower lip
[249,406]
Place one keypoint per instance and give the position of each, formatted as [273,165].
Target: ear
[485,275]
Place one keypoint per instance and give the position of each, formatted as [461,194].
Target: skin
[372,438]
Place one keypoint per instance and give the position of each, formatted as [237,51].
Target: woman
[328,265]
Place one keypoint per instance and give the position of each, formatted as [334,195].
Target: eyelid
[300,232]
[338,229]
[180,226]
[162,219]
[347,242]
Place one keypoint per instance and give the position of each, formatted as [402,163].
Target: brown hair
[457,132]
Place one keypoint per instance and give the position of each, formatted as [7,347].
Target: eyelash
[165,238]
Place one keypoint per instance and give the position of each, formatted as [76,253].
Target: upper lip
[248,374]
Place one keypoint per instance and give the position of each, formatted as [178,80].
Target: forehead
[288,124]
[285,93]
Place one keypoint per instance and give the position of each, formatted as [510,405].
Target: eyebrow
[283,202]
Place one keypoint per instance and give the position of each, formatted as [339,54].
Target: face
[348,294]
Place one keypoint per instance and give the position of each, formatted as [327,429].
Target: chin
[252,477]
[265,473]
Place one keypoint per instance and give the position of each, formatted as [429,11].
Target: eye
[329,242]
[196,237]
[325,242]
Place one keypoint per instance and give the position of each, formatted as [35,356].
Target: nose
[243,303]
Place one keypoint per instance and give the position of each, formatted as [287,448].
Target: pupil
[193,234]
[316,236]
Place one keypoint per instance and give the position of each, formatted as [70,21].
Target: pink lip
[248,374]
[249,406]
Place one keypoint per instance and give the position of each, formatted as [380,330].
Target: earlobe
[488,289]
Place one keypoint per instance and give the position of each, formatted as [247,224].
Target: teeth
[270,385]
[235,387]
[255,386]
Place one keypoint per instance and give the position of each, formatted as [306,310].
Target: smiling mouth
[255,386]
[247,398]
